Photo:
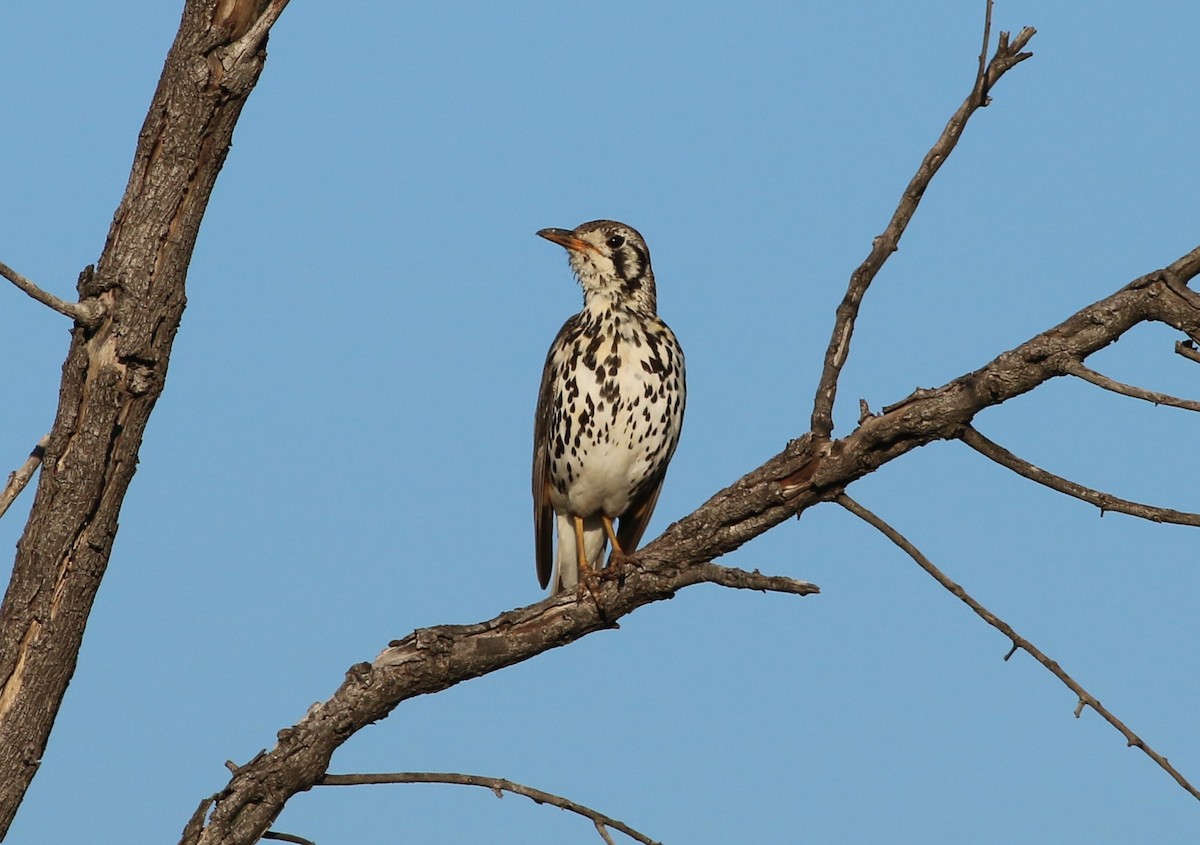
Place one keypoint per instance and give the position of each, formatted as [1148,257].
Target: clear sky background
[342,450]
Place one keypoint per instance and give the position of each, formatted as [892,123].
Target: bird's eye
[615,242]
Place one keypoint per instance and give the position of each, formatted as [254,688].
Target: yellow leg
[583,561]
[612,538]
[586,576]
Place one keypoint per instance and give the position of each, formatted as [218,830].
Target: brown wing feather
[543,511]
[632,524]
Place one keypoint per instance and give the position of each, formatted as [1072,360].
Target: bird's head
[611,261]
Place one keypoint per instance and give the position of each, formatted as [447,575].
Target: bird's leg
[618,554]
[586,574]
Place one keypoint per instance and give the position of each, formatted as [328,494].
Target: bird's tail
[566,563]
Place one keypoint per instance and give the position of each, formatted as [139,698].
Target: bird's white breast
[619,418]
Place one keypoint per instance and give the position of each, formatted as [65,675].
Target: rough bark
[114,373]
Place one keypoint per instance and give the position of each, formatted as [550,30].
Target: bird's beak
[562,237]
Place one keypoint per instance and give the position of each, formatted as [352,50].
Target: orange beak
[562,237]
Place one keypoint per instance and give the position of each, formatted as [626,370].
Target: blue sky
[342,450]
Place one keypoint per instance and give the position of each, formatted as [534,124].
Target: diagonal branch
[19,477]
[87,312]
[1085,698]
[805,473]
[498,786]
[1077,368]
[1104,501]
[112,377]
[1006,57]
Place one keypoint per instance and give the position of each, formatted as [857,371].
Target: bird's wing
[543,512]
[633,522]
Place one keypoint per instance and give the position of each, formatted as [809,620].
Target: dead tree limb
[805,473]
[1018,642]
[1104,501]
[1131,390]
[114,374]
[498,786]
[19,477]
[1007,56]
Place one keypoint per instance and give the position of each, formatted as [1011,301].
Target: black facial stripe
[630,262]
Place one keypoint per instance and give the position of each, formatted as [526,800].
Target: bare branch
[1187,350]
[1076,368]
[497,785]
[287,837]
[19,477]
[1017,640]
[1104,501]
[87,313]
[805,473]
[888,242]
[981,77]
[740,579]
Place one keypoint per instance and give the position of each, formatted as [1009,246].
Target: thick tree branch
[19,477]
[1085,698]
[498,786]
[87,313]
[1006,57]
[805,473]
[1076,368]
[1104,501]
[113,375]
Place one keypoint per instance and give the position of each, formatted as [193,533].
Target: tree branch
[805,473]
[19,477]
[287,837]
[498,786]
[1005,58]
[1104,501]
[1076,368]
[86,313]
[1187,350]
[1085,698]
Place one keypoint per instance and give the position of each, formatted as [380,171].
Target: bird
[609,410]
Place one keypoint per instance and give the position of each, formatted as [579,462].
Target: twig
[1078,369]
[497,785]
[1005,58]
[20,477]
[1084,697]
[1104,501]
[88,313]
[287,837]
[740,579]
[1187,350]
[981,77]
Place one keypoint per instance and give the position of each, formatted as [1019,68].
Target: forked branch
[1007,56]
[498,786]
[1018,642]
[1104,501]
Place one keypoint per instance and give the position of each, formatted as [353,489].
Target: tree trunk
[115,371]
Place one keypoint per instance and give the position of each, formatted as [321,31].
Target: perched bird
[610,407]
